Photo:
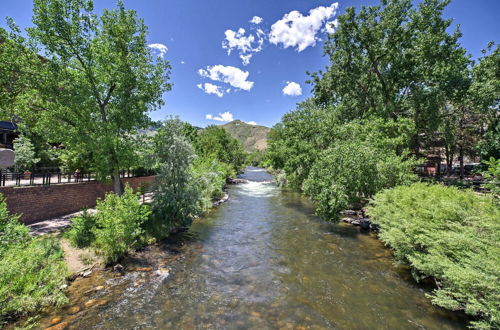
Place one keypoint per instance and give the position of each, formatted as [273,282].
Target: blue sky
[209,83]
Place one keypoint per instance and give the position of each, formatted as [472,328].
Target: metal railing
[13,179]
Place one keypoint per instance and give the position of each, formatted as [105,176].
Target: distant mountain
[252,137]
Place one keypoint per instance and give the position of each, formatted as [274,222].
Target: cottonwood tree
[99,80]
[391,61]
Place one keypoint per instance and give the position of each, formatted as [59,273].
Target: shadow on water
[262,260]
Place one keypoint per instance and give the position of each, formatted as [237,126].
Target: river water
[263,260]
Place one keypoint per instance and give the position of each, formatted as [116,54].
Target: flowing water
[263,260]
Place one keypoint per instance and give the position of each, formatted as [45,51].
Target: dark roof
[8,125]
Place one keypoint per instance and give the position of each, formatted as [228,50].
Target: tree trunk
[449,159]
[461,158]
[117,183]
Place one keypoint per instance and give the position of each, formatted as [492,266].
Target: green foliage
[492,175]
[82,231]
[215,142]
[257,158]
[393,60]
[25,153]
[450,235]
[350,172]
[97,82]
[210,175]
[119,224]
[31,276]
[176,196]
[12,232]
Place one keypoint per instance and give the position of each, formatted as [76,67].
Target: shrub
[31,276]
[492,175]
[82,231]
[351,172]
[12,232]
[211,175]
[119,221]
[450,235]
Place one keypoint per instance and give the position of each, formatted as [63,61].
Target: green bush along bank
[450,235]
[32,270]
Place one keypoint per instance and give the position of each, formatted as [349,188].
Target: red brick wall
[44,202]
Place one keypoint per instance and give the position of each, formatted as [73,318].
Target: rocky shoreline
[359,218]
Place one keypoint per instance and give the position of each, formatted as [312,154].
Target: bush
[450,235]
[119,221]
[351,172]
[211,175]
[31,276]
[82,231]
[12,232]
[492,175]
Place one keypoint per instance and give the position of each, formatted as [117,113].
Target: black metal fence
[47,178]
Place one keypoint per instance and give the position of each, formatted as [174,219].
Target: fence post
[59,177]
[32,179]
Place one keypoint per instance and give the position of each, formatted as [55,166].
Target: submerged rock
[59,326]
[365,223]
[90,303]
[74,310]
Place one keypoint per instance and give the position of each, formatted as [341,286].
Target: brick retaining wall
[44,202]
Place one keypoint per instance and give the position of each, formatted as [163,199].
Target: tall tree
[99,80]
[393,60]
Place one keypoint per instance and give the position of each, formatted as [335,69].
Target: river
[263,260]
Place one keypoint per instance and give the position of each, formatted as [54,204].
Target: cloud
[331,26]
[297,30]
[256,20]
[231,75]
[292,89]
[225,117]
[161,48]
[245,59]
[182,62]
[243,44]
[211,89]
[251,123]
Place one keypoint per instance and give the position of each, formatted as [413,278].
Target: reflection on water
[263,261]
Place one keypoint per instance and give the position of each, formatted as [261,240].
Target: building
[8,133]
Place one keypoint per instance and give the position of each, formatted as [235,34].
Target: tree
[391,61]
[215,142]
[176,198]
[25,153]
[99,81]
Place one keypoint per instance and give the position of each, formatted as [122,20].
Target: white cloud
[251,123]
[243,44]
[231,75]
[245,59]
[211,89]
[331,26]
[292,89]
[256,20]
[182,62]
[225,117]
[297,30]
[161,48]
